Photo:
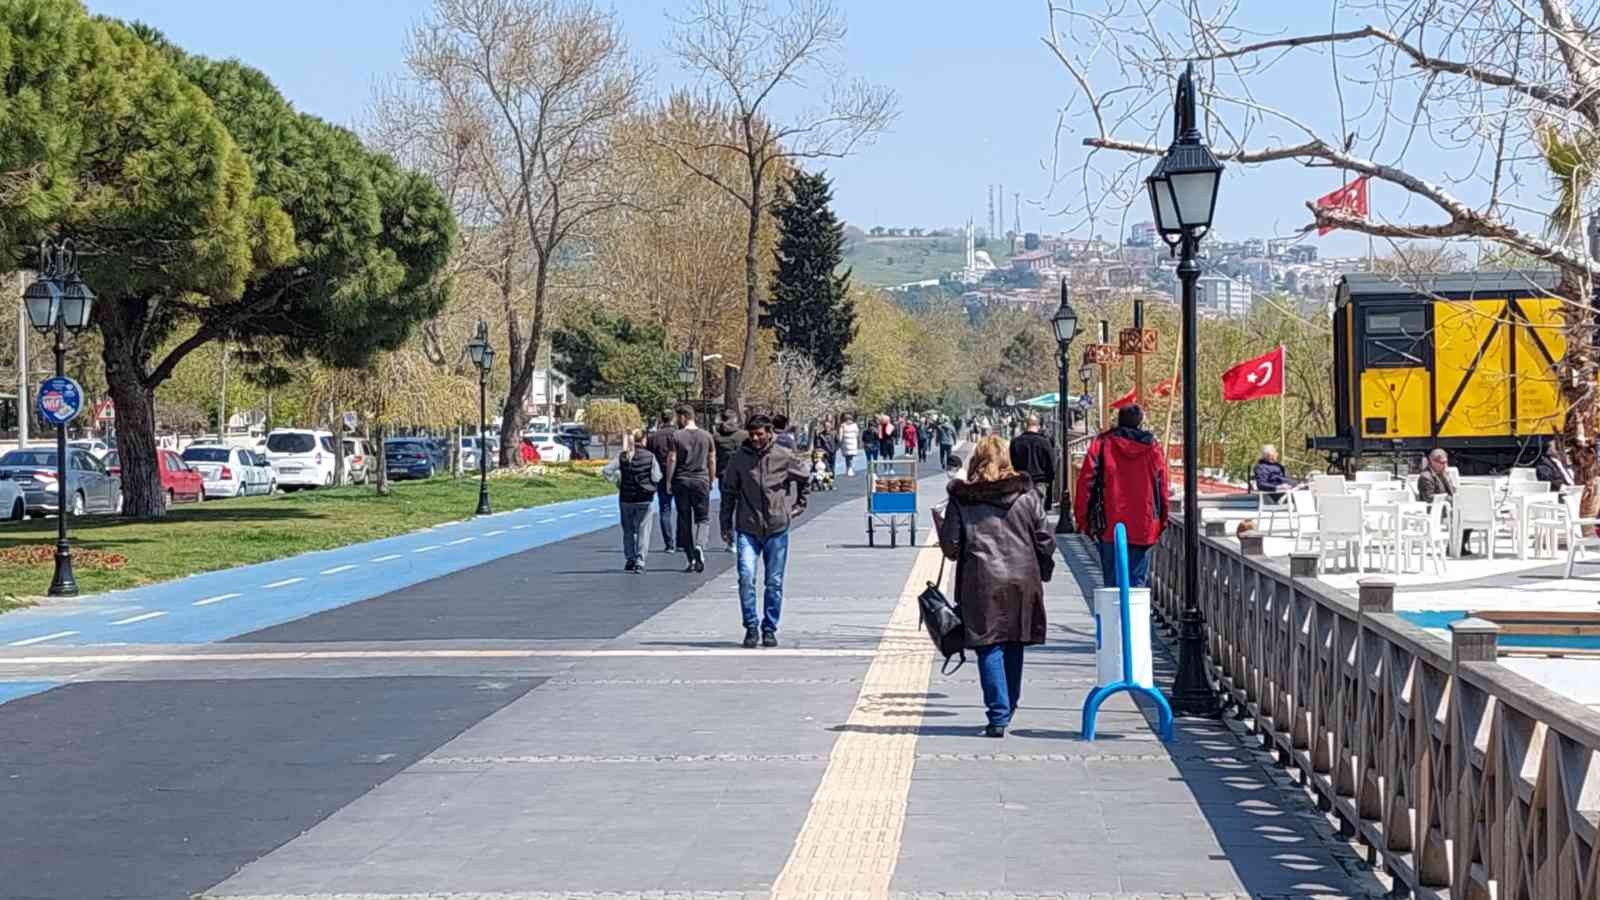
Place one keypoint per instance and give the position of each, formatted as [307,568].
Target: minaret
[972,252]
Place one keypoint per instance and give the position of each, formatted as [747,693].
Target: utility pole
[1016,211]
[222,400]
[1105,377]
[1138,358]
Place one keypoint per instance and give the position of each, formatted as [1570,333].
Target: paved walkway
[543,726]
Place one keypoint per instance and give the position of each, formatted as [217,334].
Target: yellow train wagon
[1464,362]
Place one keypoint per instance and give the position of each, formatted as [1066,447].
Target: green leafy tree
[644,375]
[810,300]
[603,353]
[1026,365]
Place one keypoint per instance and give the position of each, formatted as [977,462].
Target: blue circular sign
[60,400]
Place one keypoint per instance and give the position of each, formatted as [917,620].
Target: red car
[181,483]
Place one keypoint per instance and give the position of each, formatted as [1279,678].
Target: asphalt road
[156,789]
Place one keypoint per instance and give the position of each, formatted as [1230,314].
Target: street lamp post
[483,357]
[685,374]
[58,301]
[1065,323]
[1183,196]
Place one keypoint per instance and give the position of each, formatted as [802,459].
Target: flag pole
[1283,402]
[1172,403]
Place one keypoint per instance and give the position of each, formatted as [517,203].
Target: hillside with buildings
[886,257]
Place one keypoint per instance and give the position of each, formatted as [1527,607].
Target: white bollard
[1108,657]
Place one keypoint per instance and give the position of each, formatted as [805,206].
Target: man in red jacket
[1124,479]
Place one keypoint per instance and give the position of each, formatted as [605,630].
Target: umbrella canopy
[1043,401]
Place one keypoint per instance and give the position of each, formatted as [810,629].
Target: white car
[13,505]
[550,449]
[301,458]
[229,471]
[472,446]
[93,446]
[355,461]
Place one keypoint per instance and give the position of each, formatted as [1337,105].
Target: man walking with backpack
[689,468]
[659,443]
[1124,479]
[755,514]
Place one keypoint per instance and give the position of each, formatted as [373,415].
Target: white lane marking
[336,570]
[459,541]
[293,655]
[426,549]
[140,618]
[546,521]
[217,599]
[284,583]
[569,515]
[378,559]
[40,640]
[496,532]
[520,527]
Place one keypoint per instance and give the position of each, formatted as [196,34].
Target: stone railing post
[1474,640]
[1215,528]
[1252,543]
[1304,565]
[1377,596]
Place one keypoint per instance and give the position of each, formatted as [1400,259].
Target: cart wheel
[911,540]
[869,533]
[894,532]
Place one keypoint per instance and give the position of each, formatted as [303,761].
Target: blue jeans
[1000,673]
[669,522]
[1138,565]
[773,552]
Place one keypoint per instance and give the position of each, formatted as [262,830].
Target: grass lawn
[226,533]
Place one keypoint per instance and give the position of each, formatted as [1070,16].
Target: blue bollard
[1091,703]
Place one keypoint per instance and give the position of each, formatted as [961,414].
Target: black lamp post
[58,301]
[483,357]
[685,374]
[1065,323]
[1183,196]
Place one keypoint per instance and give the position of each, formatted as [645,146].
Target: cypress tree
[809,304]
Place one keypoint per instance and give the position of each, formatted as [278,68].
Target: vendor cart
[892,499]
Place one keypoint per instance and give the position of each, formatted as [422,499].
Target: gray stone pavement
[669,763]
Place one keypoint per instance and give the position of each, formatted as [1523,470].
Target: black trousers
[693,501]
[664,514]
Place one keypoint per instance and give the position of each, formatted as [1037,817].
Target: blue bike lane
[214,606]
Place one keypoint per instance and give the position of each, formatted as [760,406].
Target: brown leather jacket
[1004,552]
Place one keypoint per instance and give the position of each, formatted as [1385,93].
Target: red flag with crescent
[1350,199]
[1125,400]
[1258,377]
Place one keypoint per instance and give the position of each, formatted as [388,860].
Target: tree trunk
[337,421]
[752,298]
[379,433]
[1576,370]
[142,495]
[523,359]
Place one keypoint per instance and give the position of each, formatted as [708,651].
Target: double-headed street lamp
[1065,323]
[59,301]
[1183,196]
[482,353]
[685,374]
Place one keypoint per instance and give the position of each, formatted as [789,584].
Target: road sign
[1134,341]
[350,421]
[60,400]
[105,411]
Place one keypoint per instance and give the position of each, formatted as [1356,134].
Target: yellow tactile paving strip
[850,841]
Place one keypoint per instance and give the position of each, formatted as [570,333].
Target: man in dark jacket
[1552,469]
[659,443]
[1034,455]
[1270,475]
[727,435]
[755,513]
[1435,483]
[1124,479]
[689,468]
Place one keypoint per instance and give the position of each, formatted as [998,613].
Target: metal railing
[1466,779]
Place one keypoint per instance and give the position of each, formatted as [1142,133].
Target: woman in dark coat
[994,528]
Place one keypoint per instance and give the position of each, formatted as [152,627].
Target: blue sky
[978,94]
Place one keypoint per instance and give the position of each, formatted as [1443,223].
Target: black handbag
[942,620]
[1097,524]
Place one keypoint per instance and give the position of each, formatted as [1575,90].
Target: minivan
[301,458]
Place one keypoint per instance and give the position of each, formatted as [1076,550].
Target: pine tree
[809,304]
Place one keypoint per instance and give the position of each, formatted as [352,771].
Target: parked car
[179,481]
[264,472]
[90,487]
[472,446]
[12,501]
[577,438]
[550,449]
[228,471]
[408,458]
[301,458]
[96,447]
[355,461]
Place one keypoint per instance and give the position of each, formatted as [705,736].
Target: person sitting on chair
[1270,475]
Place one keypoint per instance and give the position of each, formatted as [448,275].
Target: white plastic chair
[1474,510]
[1513,507]
[1411,485]
[1524,473]
[1327,485]
[1372,476]
[1427,536]
[1341,523]
[1550,522]
[1302,516]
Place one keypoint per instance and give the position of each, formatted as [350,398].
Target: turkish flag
[1350,199]
[1258,377]
[1125,400]
[1165,388]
